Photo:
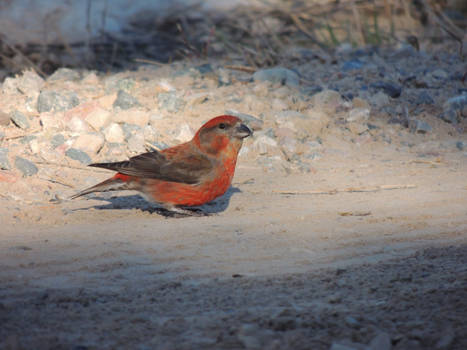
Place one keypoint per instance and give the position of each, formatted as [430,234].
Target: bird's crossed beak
[242,131]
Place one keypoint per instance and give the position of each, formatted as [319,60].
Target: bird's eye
[221,126]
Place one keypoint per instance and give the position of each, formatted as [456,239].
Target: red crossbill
[190,174]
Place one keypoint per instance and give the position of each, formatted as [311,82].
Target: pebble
[78,155]
[419,126]
[66,74]
[224,77]
[114,133]
[280,75]
[125,100]
[77,124]
[116,82]
[4,118]
[381,341]
[461,145]
[379,100]
[357,128]
[4,163]
[51,121]
[29,84]
[57,140]
[424,98]
[56,101]
[98,118]
[352,65]
[20,120]
[170,102]
[458,104]
[136,143]
[327,100]
[26,167]
[131,116]
[185,133]
[358,114]
[449,116]
[90,143]
[130,130]
[391,89]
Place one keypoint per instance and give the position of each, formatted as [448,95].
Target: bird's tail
[115,183]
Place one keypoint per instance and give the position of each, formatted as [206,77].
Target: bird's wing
[186,168]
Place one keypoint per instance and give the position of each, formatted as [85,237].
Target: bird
[187,175]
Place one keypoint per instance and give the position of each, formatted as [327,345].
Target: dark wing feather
[155,165]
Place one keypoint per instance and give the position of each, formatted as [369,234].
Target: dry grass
[249,36]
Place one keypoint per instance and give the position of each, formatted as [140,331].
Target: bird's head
[223,134]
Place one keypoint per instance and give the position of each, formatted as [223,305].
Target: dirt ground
[371,245]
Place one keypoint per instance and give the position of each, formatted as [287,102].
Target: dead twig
[347,190]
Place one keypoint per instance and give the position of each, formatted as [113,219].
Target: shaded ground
[270,271]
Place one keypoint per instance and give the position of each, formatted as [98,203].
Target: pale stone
[98,118]
[90,143]
[114,133]
[131,116]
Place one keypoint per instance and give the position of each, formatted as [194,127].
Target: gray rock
[130,130]
[382,341]
[424,98]
[4,163]
[204,68]
[20,120]
[57,140]
[78,155]
[458,104]
[461,145]
[449,116]
[66,74]
[278,75]
[114,82]
[224,77]
[125,100]
[170,102]
[55,101]
[419,126]
[391,89]
[352,65]
[27,167]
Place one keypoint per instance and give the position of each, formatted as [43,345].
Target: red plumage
[190,174]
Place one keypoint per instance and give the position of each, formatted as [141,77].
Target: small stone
[280,75]
[4,118]
[98,118]
[224,77]
[55,101]
[327,100]
[461,145]
[458,104]
[20,120]
[449,116]
[27,167]
[185,133]
[352,322]
[419,126]
[253,122]
[77,124]
[379,100]
[51,121]
[115,82]
[131,116]
[4,163]
[204,68]
[357,128]
[358,102]
[78,155]
[358,114]
[424,98]
[90,143]
[130,130]
[114,133]
[170,102]
[57,140]
[28,84]
[391,89]
[352,65]
[136,143]
[382,341]
[65,74]
[125,100]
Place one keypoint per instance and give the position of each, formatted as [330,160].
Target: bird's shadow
[138,202]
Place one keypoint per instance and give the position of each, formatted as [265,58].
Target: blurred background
[118,34]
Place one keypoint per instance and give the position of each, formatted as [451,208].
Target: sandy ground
[276,266]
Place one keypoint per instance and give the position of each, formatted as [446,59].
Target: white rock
[77,124]
[185,134]
[90,143]
[380,99]
[136,143]
[131,116]
[34,146]
[51,121]
[358,114]
[98,118]
[114,133]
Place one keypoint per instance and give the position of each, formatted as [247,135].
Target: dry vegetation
[253,36]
